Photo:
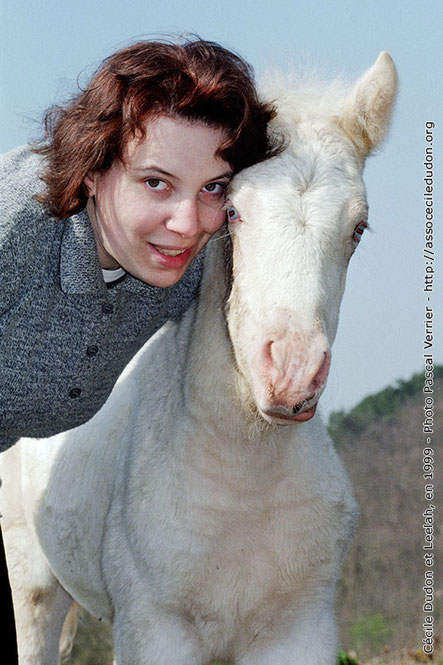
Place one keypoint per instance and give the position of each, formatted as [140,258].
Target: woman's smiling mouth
[170,257]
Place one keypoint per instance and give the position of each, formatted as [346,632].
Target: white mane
[361,110]
[298,95]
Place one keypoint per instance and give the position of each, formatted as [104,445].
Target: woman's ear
[90,182]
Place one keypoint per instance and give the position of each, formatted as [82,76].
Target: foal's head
[295,222]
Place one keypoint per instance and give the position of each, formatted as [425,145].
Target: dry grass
[406,656]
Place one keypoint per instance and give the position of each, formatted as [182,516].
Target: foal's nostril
[320,378]
[267,353]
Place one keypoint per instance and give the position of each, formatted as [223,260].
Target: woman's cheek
[216,222]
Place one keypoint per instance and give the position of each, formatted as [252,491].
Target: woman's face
[153,212]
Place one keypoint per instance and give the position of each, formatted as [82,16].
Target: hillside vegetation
[381,443]
[380,597]
[374,407]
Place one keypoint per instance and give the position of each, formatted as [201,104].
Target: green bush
[370,634]
[344,659]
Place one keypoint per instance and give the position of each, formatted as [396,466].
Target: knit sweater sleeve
[21,220]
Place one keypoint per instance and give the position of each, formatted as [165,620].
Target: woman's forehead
[172,143]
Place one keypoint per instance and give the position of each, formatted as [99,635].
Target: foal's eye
[358,231]
[232,214]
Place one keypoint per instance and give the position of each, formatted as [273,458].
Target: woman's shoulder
[20,171]
[25,229]
[21,216]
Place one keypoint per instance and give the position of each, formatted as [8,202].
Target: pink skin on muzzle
[294,370]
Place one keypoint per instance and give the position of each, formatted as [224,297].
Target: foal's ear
[368,108]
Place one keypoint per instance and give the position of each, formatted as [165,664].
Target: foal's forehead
[317,179]
[324,168]
[322,155]
[315,154]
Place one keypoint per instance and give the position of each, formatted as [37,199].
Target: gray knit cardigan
[65,336]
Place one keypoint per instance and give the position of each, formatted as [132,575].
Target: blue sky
[45,45]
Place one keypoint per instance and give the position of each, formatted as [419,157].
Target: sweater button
[92,350]
[75,392]
[107,308]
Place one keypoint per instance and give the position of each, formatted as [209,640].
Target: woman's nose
[184,218]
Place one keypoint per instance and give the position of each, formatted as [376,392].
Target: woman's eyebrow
[227,174]
[142,170]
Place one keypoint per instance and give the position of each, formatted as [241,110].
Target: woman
[135,172]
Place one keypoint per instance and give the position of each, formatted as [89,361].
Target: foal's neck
[211,378]
[210,351]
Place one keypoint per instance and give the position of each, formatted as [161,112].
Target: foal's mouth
[282,415]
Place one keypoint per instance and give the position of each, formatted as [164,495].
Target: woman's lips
[170,257]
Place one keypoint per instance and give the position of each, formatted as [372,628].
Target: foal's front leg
[156,638]
[312,640]
[40,603]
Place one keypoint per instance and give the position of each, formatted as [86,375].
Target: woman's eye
[215,188]
[232,214]
[358,232]
[156,183]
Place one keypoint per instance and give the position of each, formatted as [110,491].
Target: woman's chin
[159,277]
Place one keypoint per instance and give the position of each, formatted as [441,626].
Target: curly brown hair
[196,81]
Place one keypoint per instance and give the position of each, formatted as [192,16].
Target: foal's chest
[247,569]
[232,546]
[242,545]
